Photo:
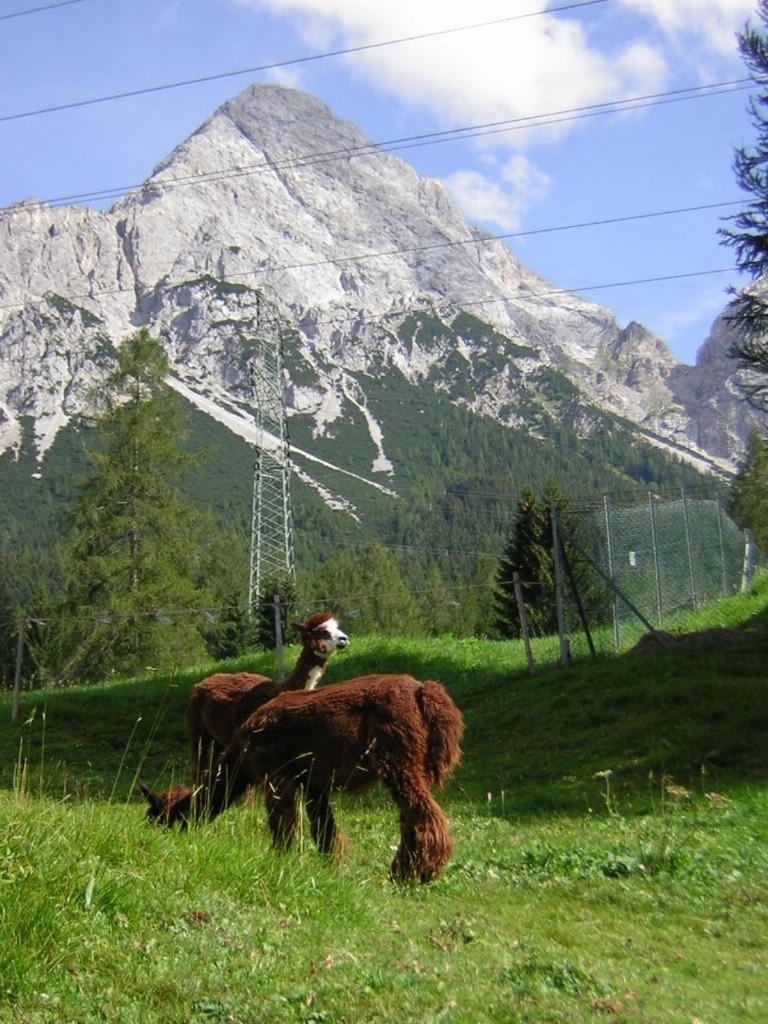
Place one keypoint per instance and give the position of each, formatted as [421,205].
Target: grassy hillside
[539,738]
[611,826]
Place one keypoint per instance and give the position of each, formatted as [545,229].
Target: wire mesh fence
[623,568]
[658,561]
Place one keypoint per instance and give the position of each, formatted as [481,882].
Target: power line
[38,10]
[627,218]
[479,240]
[466,132]
[576,503]
[164,615]
[482,239]
[460,305]
[296,60]
[485,498]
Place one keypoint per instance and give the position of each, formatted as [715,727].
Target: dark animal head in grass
[168,807]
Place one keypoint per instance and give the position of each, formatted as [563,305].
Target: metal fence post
[690,549]
[746,564]
[722,547]
[565,654]
[609,544]
[657,574]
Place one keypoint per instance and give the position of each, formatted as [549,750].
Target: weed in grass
[535,974]
[610,804]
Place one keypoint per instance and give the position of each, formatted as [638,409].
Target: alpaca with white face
[219,704]
[320,637]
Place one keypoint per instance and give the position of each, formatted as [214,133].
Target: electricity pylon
[271,521]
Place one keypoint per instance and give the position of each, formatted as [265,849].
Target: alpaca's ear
[299,626]
[150,794]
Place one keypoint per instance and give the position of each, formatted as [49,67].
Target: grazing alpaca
[173,804]
[219,705]
[344,737]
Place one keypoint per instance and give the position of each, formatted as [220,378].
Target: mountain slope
[274,221]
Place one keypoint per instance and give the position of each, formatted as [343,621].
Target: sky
[665,156]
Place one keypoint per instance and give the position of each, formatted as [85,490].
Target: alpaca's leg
[281,813]
[206,758]
[425,840]
[220,787]
[326,835]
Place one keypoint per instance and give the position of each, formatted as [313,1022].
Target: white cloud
[529,66]
[289,78]
[714,21]
[701,309]
[503,202]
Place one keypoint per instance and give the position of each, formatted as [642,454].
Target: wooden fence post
[609,548]
[565,652]
[17,673]
[524,622]
[689,547]
[656,569]
[279,641]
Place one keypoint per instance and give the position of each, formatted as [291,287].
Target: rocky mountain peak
[373,267]
[715,349]
[286,119]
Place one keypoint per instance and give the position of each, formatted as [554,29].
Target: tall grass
[611,857]
[561,919]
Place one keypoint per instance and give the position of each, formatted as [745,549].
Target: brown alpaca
[168,806]
[219,704]
[344,737]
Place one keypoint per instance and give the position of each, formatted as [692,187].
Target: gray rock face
[275,195]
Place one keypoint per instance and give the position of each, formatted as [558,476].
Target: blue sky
[663,157]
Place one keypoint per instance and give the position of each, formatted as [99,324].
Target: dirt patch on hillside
[703,639]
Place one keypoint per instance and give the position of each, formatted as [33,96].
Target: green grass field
[611,826]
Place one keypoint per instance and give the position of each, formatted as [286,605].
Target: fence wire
[659,561]
[627,567]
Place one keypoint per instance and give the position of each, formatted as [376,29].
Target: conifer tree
[440,607]
[529,554]
[263,626]
[748,504]
[749,236]
[9,614]
[370,586]
[133,596]
[478,616]
[225,567]
[29,573]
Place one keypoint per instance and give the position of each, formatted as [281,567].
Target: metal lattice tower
[271,520]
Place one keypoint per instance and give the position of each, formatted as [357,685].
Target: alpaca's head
[168,806]
[321,633]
